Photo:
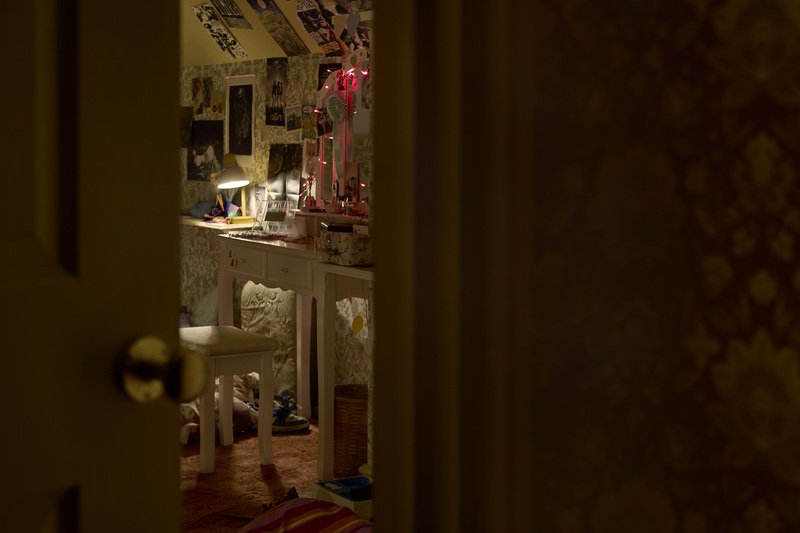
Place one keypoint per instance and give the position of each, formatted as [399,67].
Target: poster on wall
[201,94]
[239,118]
[318,28]
[279,28]
[204,153]
[208,88]
[208,17]
[284,172]
[185,115]
[198,96]
[231,14]
[324,70]
[357,40]
[293,118]
[277,68]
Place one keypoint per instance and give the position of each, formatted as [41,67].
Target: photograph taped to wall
[239,113]
[198,95]
[204,154]
[293,118]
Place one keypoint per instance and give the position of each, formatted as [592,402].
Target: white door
[88,238]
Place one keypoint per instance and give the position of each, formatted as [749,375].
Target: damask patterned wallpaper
[669,207]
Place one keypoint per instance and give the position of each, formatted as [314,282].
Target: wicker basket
[349,429]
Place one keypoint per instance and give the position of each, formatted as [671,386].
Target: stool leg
[226,410]
[207,425]
[266,391]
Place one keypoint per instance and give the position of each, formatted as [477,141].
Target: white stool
[230,351]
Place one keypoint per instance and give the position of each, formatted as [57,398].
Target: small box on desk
[355,493]
[345,247]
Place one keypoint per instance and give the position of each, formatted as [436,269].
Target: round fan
[336,107]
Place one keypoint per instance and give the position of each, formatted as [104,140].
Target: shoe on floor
[284,418]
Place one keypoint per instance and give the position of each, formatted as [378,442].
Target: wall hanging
[239,113]
[277,68]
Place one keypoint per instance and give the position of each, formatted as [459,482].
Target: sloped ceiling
[198,48]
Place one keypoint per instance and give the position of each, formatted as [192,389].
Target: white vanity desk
[298,267]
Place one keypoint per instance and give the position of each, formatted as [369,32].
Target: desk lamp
[230,179]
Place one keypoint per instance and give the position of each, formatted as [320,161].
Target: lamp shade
[232,176]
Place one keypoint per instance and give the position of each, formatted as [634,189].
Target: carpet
[228,498]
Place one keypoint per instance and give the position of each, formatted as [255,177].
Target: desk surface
[218,226]
[305,250]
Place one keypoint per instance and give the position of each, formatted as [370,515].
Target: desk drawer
[290,270]
[246,261]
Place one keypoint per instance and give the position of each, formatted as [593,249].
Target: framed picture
[239,118]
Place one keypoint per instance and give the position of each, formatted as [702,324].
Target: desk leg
[326,361]
[303,340]
[225,409]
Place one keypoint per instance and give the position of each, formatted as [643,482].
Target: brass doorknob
[149,369]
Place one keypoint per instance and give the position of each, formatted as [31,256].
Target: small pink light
[331,137]
[364,72]
[363,184]
[316,111]
[324,162]
[327,87]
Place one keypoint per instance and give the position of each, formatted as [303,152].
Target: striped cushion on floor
[307,515]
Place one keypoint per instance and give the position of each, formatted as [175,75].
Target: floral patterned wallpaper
[199,252]
[669,208]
